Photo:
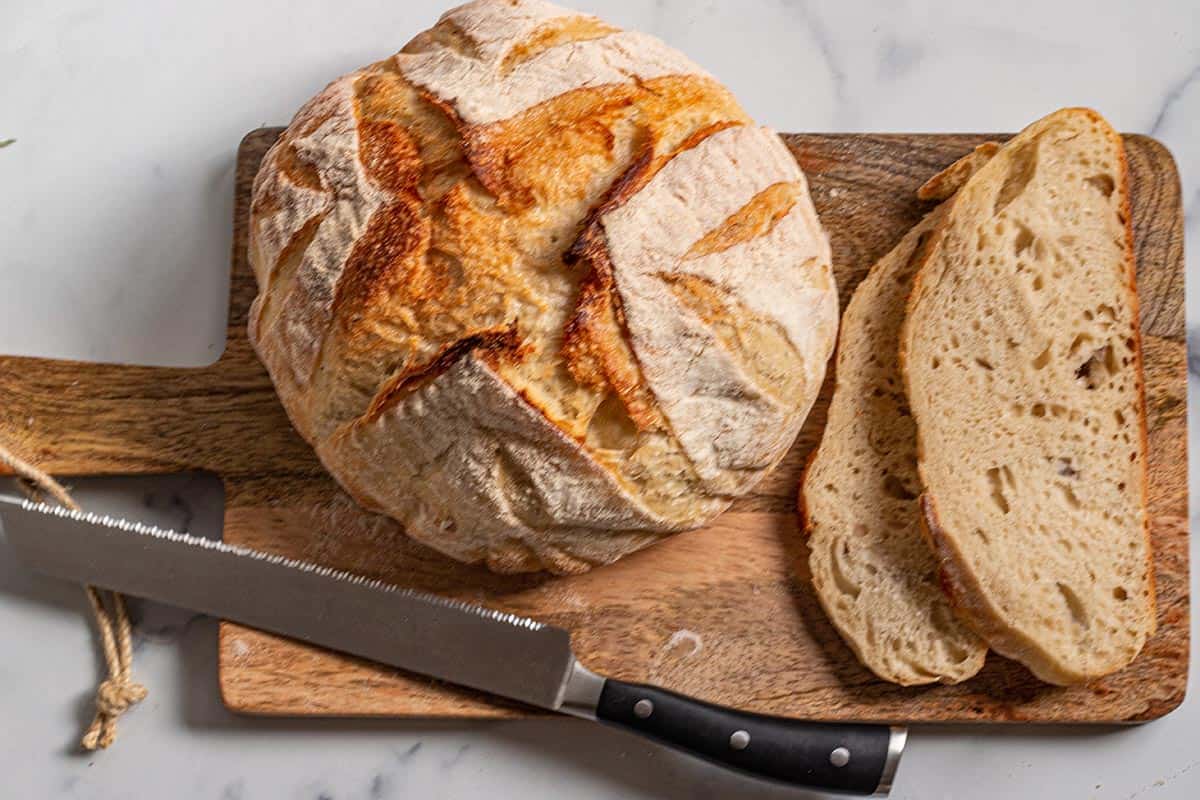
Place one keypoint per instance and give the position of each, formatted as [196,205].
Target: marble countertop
[114,217]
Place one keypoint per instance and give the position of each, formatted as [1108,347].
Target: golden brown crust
[1139,365]
[967,598]
[595,344]
[755,219]
[493,346]
[950,180]
[552,34]
[382,263]
[806,522]
[428,236]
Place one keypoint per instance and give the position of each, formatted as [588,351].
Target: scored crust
[1036,505]
[471,231]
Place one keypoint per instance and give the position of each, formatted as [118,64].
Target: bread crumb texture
[1023,365]
[538,288]
[873,573]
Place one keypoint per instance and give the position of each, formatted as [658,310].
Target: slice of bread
[1022,361]
[874,574]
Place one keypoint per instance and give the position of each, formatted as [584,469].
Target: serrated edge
[143,529]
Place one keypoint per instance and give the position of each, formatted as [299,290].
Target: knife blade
[500,653]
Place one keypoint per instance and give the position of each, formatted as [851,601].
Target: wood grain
[725,613]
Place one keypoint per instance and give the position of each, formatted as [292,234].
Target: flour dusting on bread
[470,310]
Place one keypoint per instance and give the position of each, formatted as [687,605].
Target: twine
[118,691]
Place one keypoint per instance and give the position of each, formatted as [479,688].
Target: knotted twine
[118,691]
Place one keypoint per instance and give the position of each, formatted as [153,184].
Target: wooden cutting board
[726,613]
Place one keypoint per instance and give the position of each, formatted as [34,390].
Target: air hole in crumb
[1041,361]
[894,487]
[1021,169]
[841,576]
[611,427]
[1038,410]
[1119,417]
[1100,366]
[937,362]
[1103,183]
[1120,594]
[1078,343]
[1069,495]
[1074,604]
[984,363]
[993,476]
[983,537]
[1038,283]
[1023,241]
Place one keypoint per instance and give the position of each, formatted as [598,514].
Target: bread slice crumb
[874,574]
[1022,361]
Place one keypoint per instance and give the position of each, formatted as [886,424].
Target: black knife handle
[852,758]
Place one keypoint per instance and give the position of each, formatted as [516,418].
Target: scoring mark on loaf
[649,238]
[757,218]
[518,60]
[493,345]
[558,32]
[472,233]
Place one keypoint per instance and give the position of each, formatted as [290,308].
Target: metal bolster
[581,691]
[897,738]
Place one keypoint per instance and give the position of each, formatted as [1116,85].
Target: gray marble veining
[114,218]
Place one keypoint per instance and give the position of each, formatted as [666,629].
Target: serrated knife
[499,653]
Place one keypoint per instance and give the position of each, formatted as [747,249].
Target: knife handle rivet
[739,740]
[839,757]
[643,708]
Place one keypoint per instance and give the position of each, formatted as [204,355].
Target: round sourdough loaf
[538,288]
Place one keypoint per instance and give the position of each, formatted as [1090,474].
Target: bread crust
[1139,367]
[439,230]
[943,185]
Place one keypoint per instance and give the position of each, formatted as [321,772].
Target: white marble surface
[114,239]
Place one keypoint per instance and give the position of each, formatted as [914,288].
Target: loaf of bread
[539,288]
[1022,361]
[873,573]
